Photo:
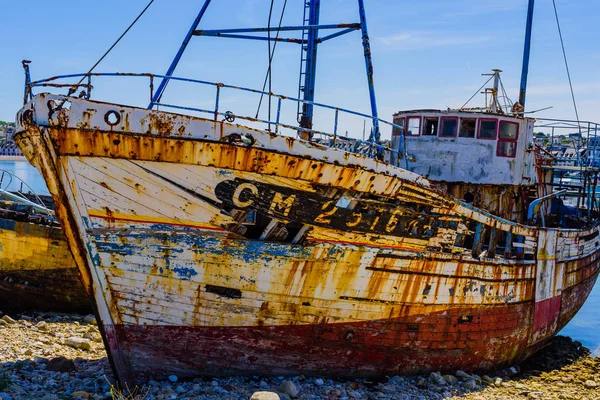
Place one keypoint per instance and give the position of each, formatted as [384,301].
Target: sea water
[584,327]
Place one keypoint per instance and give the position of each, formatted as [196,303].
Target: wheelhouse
[470,147]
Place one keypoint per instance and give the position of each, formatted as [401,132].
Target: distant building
[593,151]
[568,154]
[8,147]
[9,132]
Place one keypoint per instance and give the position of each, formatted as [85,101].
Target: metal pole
[27,93]
[311,65]
[163,83]
[526,51]
[369,66]
[495,103]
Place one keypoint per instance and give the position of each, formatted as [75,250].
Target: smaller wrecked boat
[37,272]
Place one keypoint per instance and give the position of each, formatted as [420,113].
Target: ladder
[303,57]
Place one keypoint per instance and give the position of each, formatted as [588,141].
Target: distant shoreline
[13,158]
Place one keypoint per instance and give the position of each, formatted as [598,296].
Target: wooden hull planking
[364,269]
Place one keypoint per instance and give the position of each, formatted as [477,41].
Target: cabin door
[548,287]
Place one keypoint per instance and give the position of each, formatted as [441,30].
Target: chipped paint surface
[37,271]
[279,256]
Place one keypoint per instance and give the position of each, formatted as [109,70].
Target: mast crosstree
[309,42]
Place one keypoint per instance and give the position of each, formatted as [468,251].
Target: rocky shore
[59,356]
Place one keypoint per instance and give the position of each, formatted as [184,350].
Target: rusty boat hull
[349,267]
[37,272]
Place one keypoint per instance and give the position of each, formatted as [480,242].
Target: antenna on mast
[494,105]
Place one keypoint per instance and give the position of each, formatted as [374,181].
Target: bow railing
[329,136]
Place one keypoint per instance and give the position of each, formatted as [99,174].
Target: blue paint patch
[185,273]
[180,253]
[8,224]
[243,278]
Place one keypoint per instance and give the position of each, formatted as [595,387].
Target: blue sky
[427,54]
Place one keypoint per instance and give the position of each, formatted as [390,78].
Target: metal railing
[369,148]
[585,136]
[11,189]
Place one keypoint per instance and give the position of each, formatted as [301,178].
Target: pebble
[42,326]
[78,343]
[180,389]
[60,364]
[450,380]
[265,396]
[470,384]
[437,379]
[173,378]
[289,388]
[590,384]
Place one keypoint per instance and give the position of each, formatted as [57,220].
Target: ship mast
[308,62]
[308,65]
[309,41]
[526,51]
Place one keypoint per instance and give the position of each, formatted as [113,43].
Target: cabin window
[448,127]
[413,126]
[487,128]
[467,127]
[508,130]
[506,148]
[507,139]
[395,130]
[430,127]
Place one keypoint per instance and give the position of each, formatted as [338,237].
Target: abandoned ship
[212,246]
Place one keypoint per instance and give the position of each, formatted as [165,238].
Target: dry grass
[137,393]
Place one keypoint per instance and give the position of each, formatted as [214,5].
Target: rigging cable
[507,100]
[562,44]
[477,92]
[74,88]
[567,67]
[271,55]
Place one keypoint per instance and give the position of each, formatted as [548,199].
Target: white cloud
[423,39]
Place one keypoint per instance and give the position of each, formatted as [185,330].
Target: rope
[271,55]
[74,88]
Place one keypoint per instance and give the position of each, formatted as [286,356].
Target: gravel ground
[61,356]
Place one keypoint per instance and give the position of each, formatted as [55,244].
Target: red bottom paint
[460,338]
[545,317]
[428,338]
